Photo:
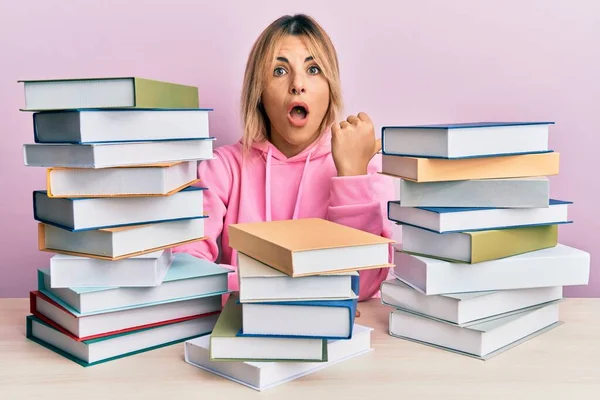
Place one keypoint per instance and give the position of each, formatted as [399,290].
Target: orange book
[419,169]
[310,246]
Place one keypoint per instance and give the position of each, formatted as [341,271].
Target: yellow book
[476,247]
[419,169]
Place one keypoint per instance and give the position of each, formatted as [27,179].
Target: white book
[466,140]
[107,212]
[481,340]
[556,266]
[121,242]
[105,324]
[259,282]
[148,180]
[526,192]
[316,319]
[464,309]
[107,92]
[92,352]
[188,277]
[266,375]
[105,155]
[145,270]
[464,219]
[120,125]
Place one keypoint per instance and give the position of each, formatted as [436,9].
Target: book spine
[495,244]
[155,94]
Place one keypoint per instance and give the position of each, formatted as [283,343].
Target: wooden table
[561,364]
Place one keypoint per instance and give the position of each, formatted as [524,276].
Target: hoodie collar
[319,148]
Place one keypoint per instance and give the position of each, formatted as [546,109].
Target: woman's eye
[278,71]
[314,70]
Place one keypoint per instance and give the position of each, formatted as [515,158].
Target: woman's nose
[297,86]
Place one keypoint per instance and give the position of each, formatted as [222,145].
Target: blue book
[188,277]
[333,319]
[466,140]
[92,213]
[472,219]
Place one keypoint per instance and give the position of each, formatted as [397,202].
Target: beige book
[438,169]
[310,246]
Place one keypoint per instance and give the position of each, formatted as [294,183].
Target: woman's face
[296,97]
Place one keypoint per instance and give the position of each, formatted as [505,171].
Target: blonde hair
[255,121]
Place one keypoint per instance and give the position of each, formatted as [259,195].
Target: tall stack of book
[295,310]
[480,268]
[121,157]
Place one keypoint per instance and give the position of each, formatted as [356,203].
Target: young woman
[294,159]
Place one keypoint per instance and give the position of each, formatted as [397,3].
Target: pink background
[403,62]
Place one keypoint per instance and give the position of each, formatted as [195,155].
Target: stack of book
[295,310]
[480,268]
[121,192]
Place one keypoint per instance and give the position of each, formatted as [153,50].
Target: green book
[119,345]
[101,93]
[476,247]
[226,345]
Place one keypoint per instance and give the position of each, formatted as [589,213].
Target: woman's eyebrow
[283,59]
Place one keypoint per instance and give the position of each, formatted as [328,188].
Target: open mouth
[298,114]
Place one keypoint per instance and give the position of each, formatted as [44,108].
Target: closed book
[79,214]
[96,126]
[310,246]
[260,283]
[420,169]
[556,266]
[464,309]
[120,242]
[116,154]
[478,246]
[96,351]
[133,181]
[262,376]
[146,270]
[470,219]
[472,139]
[530,192]
[107,92]
[188,277]
[225,345]
[323,319]
[482,341]
[93,326]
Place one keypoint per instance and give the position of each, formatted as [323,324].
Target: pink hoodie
[270,186]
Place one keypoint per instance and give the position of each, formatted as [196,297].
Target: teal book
[188,277]
[96,351]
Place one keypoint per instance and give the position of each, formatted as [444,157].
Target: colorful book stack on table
[295,309]
[480,269]
[121,192]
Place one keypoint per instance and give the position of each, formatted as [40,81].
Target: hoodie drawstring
[268,186]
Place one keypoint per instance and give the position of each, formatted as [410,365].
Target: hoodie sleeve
[216,176]
[361,202]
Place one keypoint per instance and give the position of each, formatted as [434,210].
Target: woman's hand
[353,145]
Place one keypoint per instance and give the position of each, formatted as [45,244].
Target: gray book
[530,192]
